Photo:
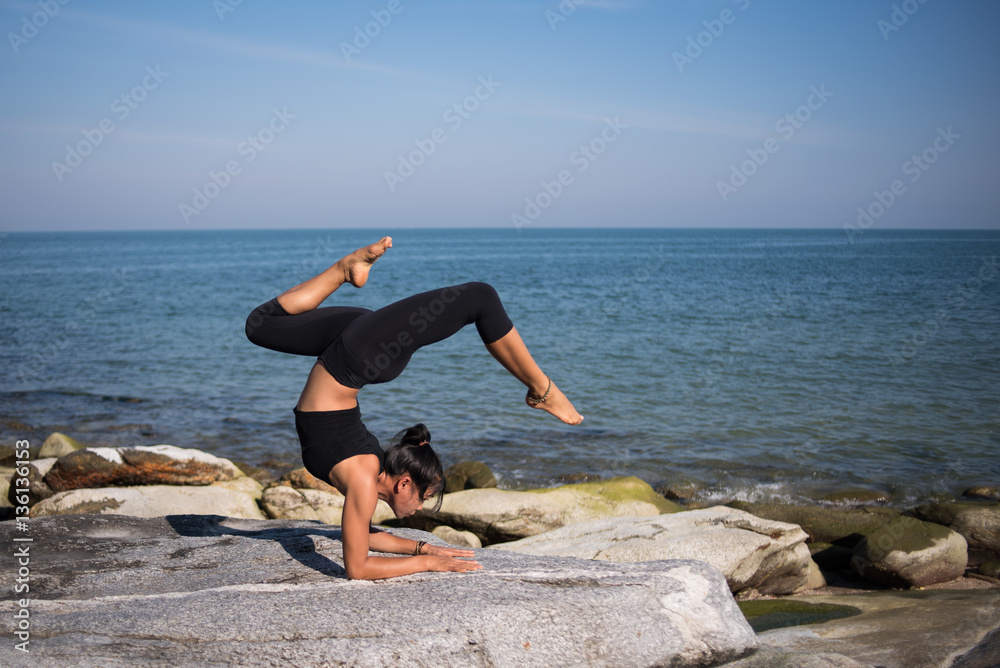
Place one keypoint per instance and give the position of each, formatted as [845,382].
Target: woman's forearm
[383,541]
[377,568]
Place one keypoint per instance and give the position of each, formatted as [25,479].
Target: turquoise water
[760,364]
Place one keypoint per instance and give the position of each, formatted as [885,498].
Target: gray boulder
[497,515]
[6,486]
[909,553]
[979,523]
[840,526]
[465,539]
[991,492]
[37,489]
[150,501]
[281,502]
[752,553]
[468,475]
[183,590]
[58,444]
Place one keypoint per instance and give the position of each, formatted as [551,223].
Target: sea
[758,365]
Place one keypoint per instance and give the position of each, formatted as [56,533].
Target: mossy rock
[983,492]
[625,488]
[497,515]
[261,475]
[59,444]
[680,489]
[468,475]
[977,521]
[5,454]
[909,553]
[840,526]
[781,613]
[572,478]
[855,496]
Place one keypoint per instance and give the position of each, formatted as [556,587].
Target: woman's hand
[445,551]
[443,564]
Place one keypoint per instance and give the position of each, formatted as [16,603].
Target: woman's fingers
[451,551]
[442,563]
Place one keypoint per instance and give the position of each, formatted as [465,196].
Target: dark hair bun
[416,435]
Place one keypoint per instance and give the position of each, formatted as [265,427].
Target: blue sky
[631,113]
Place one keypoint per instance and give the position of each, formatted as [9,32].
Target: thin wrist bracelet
[420,546]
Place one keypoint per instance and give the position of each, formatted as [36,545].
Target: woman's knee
[478,291]
[257,318]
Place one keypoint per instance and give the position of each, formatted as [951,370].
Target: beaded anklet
[535,401]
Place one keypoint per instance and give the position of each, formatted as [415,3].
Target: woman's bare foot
[555,403]
[357,265]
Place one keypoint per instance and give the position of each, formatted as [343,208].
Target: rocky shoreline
[762,552]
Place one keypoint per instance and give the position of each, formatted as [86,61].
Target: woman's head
[412,456]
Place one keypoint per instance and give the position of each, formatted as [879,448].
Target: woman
[355,347]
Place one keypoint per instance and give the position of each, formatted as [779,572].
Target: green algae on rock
[765,615]
[977,521]
[824,525]
[909,553]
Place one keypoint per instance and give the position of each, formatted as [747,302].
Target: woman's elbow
[357,571]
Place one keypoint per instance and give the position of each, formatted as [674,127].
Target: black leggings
[358,346]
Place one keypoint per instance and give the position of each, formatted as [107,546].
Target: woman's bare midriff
[323,393]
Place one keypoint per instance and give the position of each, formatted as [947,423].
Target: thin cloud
[225,43]
[650,120]
[713,122]
[607,5]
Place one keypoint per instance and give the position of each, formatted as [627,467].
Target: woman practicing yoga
[356,347]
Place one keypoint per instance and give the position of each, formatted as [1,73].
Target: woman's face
[406,500]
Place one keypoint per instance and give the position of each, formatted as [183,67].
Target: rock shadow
[296,541]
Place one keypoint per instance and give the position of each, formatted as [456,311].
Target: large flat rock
[751,552]
[110,590]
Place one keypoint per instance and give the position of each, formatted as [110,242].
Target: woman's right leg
[543,394]
[351,269]
[292,323]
